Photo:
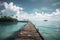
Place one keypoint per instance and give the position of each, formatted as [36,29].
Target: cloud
[53,16]
[57,3]
[45,8]
[22,15]
[40,16]
[11,9]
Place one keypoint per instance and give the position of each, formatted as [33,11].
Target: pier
[29,32]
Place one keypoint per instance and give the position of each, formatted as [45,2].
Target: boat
[45,20]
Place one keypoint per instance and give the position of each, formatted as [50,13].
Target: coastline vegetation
[7,19]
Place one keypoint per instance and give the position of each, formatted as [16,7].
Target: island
[8,19]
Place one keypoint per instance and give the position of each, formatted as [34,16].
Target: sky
[31,9]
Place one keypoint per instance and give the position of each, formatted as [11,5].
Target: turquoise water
[7,29]
[50,30]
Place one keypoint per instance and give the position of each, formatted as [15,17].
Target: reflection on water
[7,29]
[7,23]
[50,30]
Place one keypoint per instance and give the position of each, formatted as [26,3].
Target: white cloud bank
[11,9]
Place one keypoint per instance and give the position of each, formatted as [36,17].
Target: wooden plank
[29,32]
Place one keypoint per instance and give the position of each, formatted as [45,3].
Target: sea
[50,30]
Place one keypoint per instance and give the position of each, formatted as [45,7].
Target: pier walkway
[29,32]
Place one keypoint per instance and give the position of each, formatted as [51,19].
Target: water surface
[8,28]
[50,30]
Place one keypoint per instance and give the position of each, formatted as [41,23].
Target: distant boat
[45,20]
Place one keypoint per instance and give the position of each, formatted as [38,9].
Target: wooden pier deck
[29,32]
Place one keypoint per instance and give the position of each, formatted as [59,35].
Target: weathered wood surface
[29,32]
